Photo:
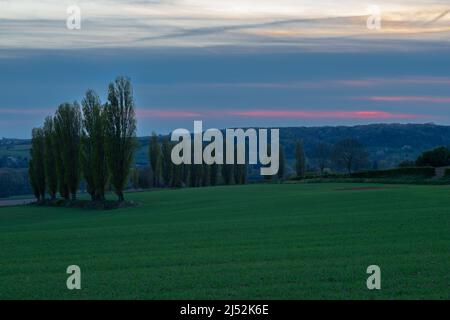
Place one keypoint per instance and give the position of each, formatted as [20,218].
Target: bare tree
[349,154]
[322,153]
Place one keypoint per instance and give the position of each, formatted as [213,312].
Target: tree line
[347,154]
[166,174]
[95,142]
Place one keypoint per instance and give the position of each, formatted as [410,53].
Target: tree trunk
[74,196]
[120,196]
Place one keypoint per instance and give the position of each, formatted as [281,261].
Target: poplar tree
[68,133]
[51,177]
[154,154]
[166,161]
[58,144]
[120,133]
[93,157]
[33,181]
[282,164]
[176,179]
[213,171]
[37,163]
[205,181]
[227,170]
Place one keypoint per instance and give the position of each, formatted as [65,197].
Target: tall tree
[176,179]
[213,171]
[68,131]
[350,154]
[33,180]
[120,133]
[240,173]
[300,164]
[227,173]
[58,145]
[93,153]
[205,178]
[282,164]
[37,163]
[185,174]
[166,161]
[51,177]
[227,170]
[192,175]
[154,153]
[87,161]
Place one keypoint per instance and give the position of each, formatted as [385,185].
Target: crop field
[268,241]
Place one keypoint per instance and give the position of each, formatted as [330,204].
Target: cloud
[26,111]
[320,25]
[427,99]
[411,80]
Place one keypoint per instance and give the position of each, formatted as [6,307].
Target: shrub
[406,164]
[425,172]
[447,173]
[438,157]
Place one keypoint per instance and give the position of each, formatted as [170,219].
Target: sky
[229,63]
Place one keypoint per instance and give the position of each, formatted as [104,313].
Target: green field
[292,241]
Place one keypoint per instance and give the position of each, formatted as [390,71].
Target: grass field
[292,241]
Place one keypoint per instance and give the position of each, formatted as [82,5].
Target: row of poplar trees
[167,174]
[95,142]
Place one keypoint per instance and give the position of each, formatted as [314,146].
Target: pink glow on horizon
[254,113]
[325,114]
[146,113]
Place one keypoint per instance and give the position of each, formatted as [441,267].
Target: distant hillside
[388,144]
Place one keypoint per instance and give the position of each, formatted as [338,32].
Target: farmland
[264,241]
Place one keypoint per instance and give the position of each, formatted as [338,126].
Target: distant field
[15,150]
[293,241]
